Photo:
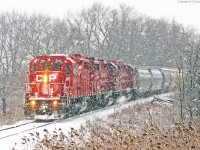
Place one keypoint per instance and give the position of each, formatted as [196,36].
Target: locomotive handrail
[27,88]
[64,90]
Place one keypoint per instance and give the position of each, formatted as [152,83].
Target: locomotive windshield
[43,64]
[51,64]
[57,64]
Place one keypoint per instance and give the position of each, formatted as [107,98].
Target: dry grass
[13,115]
[142,127]
[14,105]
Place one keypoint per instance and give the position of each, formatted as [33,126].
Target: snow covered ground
[74,122]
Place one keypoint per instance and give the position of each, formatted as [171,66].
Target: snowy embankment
[66,125]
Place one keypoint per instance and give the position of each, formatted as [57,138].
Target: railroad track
[15,126]
[31,125]
[36,125]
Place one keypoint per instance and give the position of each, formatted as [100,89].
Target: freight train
[59,85]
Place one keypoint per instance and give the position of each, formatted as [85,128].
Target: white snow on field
[75,122]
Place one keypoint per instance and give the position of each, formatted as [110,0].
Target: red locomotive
[63,85]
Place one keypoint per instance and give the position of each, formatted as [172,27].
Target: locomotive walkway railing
[34,89]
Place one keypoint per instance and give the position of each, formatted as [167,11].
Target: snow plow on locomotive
[61,85]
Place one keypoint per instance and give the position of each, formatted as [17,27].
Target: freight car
[58,85]
[154,80]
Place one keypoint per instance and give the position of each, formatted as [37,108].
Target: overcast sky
[184,11]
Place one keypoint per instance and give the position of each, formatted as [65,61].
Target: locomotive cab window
[105,66]
[57,65]
[96,67]
[67,67]
[43,64]
[118,70]
[111,70]
[33,68]
[130,71]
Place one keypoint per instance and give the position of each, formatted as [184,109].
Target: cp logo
[39,78]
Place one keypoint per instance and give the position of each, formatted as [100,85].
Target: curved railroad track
[11,131]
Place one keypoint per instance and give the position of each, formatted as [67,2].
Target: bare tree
[193,62]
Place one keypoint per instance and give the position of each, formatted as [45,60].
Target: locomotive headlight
[33,102]
[45,78]
[55,103]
